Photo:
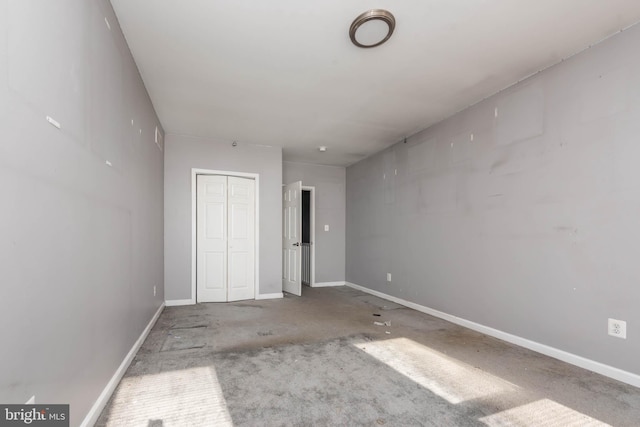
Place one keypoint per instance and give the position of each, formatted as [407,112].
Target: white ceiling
[284,72]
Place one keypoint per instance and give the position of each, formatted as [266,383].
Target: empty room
[247,213]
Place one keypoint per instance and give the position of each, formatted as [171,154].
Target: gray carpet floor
[319,359]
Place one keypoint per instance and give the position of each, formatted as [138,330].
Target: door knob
[296,244]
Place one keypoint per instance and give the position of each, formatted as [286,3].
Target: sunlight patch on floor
[457,382]
[447,377]
[543,413]
[176,398]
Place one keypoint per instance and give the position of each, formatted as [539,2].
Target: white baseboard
[582,362]
[325,284]
[102,400]
[177,302]
[270,296]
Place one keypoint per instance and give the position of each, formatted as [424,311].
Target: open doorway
[298,253]
[308,236]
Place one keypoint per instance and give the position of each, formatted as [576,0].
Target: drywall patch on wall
[42,69]
[421,156]
[605,94]
[437,193]
[107,118]
[389,176]
[520,115]
[4,61]
[462,146]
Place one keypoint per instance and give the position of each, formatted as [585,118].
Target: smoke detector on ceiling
[322,148]
[372,28]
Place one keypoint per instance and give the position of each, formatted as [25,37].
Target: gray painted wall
[184,153]
[532,228]
[330,184]
[81,242]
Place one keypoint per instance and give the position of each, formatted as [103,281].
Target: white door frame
[312,230]
[194,191]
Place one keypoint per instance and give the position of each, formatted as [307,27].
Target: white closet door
[241,214]
[211,238]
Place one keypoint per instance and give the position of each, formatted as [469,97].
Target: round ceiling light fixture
[372,28]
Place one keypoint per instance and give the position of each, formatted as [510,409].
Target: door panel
[239,221]
[215,188]
[214,270]
[241,212]
[214,222]
[211,241]
[292,238]
[293,263]
[237,265]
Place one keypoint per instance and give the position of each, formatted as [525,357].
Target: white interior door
[292,238]
[225,233]
[211,237]
[241,253]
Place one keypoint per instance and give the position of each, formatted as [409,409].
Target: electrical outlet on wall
[154,290]
[618,328]
[388,277]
